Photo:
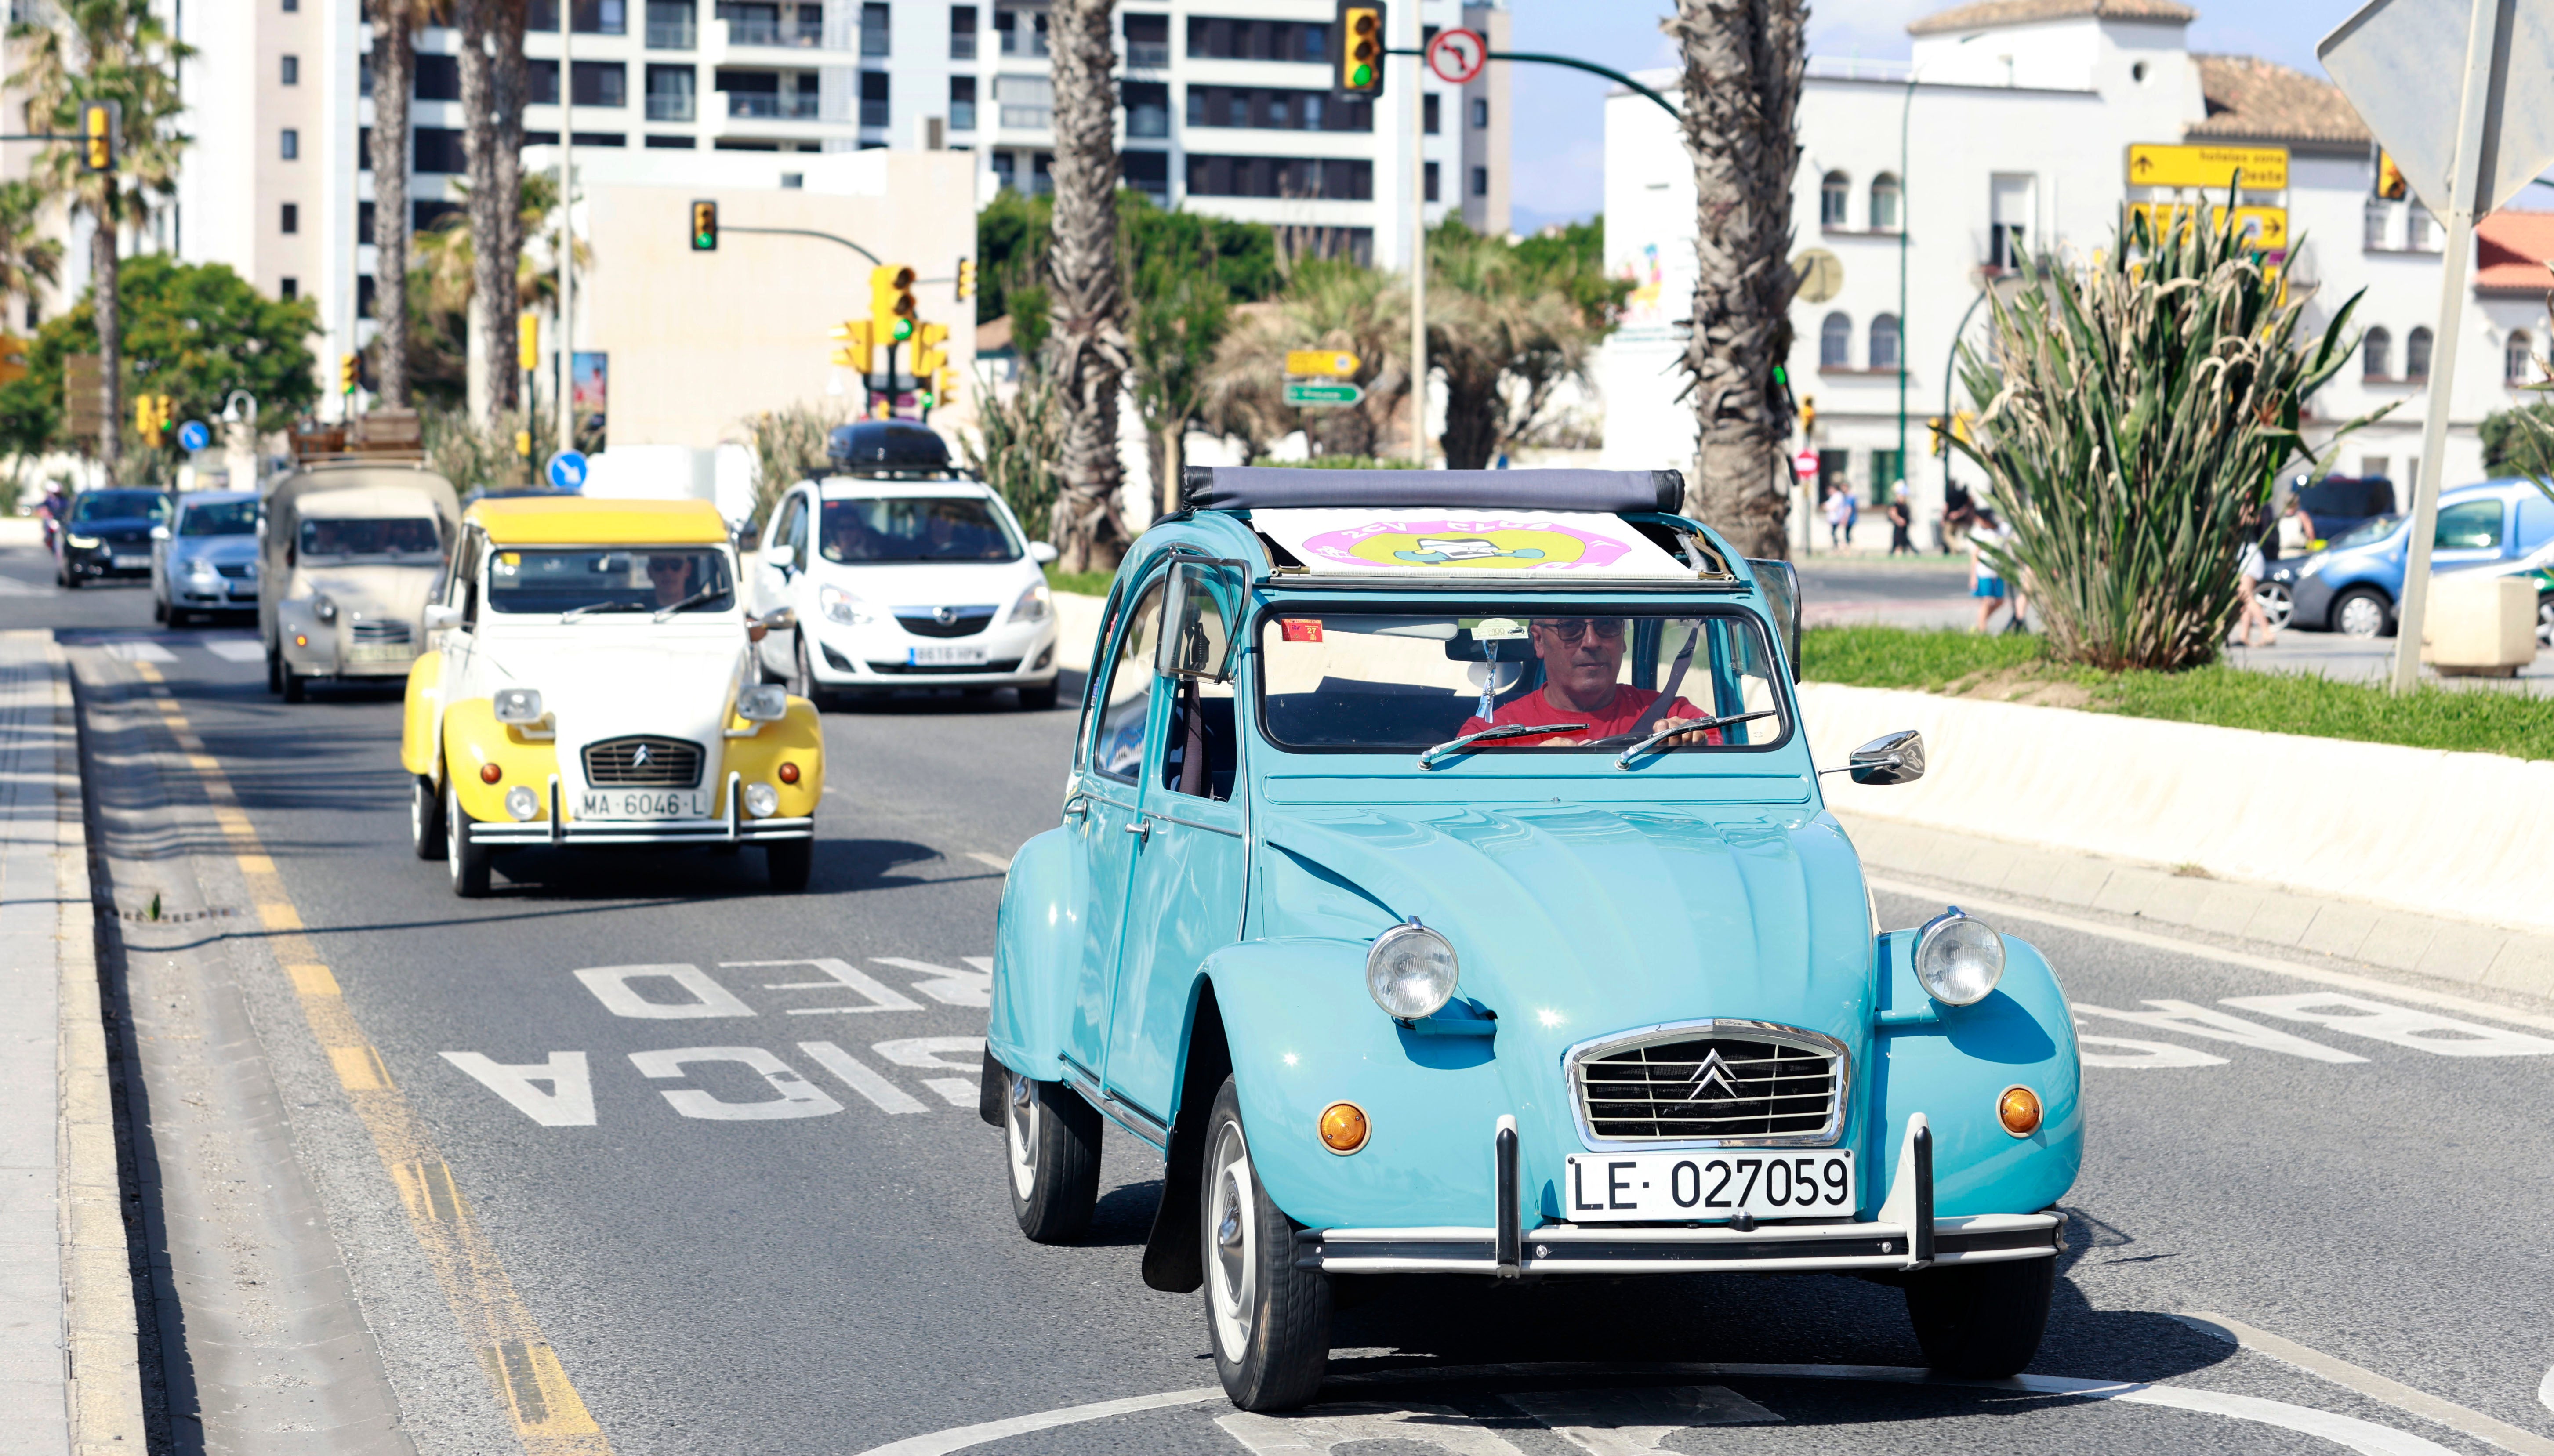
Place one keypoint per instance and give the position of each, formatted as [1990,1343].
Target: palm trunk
[393,59]
[478,164]
[1088,353]
[103,266]
[510,85]
[1743,62]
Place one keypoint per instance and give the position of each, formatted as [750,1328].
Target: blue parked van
[2354,584]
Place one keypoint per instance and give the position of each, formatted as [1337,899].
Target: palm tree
[1328,303]
[26,260]
[393,24]
[1743,60]
[493,89]
[1087,354]
[105,51]
[1505,334]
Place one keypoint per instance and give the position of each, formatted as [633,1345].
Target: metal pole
[1950,361]
[567,232]
[1905,114]
[1418,249]
[2482,40]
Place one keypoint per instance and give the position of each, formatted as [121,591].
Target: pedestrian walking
[1852,511]
[1838,503]
[1985,582]
[1900,521]
[2250,567]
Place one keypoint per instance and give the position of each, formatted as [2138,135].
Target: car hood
[1578,921]
[220,550]
[374,592]
[117,527]
[628,678]
[994,584]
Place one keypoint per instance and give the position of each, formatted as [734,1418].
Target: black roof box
[1261,488]
[886,444]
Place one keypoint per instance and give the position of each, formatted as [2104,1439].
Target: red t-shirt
[1617,717]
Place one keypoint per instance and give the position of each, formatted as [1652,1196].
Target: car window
[565,579]
[2469,525]
[785,528]
[1211,705]
[1118,744]
[461,588]
[120,506]
[1333,679]
[400,538]
[2365,533]
[220,518]
[889,530]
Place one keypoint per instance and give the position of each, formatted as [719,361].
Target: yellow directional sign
[1331,364]
[2264,168]
[2265,227]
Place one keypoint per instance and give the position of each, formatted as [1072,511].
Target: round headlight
[761,799]
[522,803]
[1958,959]
[1411,972]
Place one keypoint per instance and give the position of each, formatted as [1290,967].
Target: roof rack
[1260,487]
[383,436]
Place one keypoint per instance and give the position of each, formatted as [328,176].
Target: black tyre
[787,862]
[1270,1321]
[469,859]
[273,670]
[425,818]
[295,689]
[159,608]
[2545,621]
[71,580]
[2362,611]
[802,673]
[1981,1321]
[1051,1151]
[1038,700]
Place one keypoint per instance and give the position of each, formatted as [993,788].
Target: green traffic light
[1363,75]
[904,328]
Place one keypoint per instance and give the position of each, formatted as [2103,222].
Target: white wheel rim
[2361,617]
[2275,606]
[416,813]
[452,834]
[1023,1122]
[2545,624]
[1233,1230]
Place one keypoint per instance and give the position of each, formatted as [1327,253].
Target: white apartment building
[2006,135]
[1225,108]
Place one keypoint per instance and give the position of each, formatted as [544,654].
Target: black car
[108,536]
[2341,503]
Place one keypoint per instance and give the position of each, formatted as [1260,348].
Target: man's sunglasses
[1576,630]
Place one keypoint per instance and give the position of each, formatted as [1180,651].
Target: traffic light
[13,358]
[1808,415]
[943,387]
[349,369]
[965,279]
[705,226]
[528,341]
[892,312]
[858,343]
[2391,187]
[143,415]
[101,134]
[1933,427]
[1359,69]
[929,356]
[154,415]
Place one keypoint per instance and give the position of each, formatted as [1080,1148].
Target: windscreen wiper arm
[579,614]
[694,600]
[1488,734]
[1624,759]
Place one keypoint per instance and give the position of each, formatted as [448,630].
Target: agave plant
[2129,412]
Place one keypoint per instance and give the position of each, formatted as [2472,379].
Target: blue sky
[1558,154]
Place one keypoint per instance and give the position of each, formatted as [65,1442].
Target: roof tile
[1985,13]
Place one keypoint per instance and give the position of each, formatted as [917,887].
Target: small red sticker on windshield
[1301,629]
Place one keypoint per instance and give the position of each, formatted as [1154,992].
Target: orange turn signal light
[489,773]
[300,640]
[2019,1110]
[1344,1128]
[789,773]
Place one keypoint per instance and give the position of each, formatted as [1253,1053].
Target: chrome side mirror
[1892,758]
[780,619]
[1042,552]
[441,618]
[780,557]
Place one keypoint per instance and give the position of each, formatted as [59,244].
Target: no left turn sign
[1457,55]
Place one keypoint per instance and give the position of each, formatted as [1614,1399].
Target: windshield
[120,506]
[390,538]
[2363,533]
[915,528]
[610,580]
[1334,679]
[221,519]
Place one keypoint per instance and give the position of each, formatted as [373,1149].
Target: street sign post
[2267,227]
[193,436]
[2457,93]
[1331,364]
[1457,55]
[2261,168]
[1309,395]
[566,471]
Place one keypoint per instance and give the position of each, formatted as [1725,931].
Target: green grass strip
[1083,583]
[2478,720]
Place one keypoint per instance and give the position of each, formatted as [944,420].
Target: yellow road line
[549,1416]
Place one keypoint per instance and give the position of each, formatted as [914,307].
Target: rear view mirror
[1196,642]
[782,557]
[441,618]
[159,534]
[1892,758]
[1042,552]
[780,619]
[1779,581]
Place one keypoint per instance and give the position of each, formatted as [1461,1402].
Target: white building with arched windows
[2007,136]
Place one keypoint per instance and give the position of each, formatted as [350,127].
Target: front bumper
[873,657]
[733,827]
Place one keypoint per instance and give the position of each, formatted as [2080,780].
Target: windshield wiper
[579,614]
[692,601]
[1624,759]
[1488,734]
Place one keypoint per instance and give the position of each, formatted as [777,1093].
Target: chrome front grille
[643,761]
[1710,1083]
[944,622]
[380,633]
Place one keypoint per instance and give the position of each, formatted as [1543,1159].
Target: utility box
[2481,625]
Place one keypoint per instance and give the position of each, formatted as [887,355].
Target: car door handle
[1141,828]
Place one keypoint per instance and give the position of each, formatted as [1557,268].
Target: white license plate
[380,652]
[132,562]
[644,803]
[943,656]
[1709,1184]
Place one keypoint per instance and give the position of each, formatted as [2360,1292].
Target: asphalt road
[2368,1188]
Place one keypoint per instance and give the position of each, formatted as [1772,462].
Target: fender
[420,717]
[471,737]
[1954,1070]
[1037,952]
[798,738]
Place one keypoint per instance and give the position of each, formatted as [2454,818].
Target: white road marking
[1325,1428]
[11,587]
[569,1101]
[2444,1001]
[1633,1421]
[926,1052]
[610,986]
[2365,1438]
[1002,862]
[857,1076]
[236,649]
[948,985]
[840,977]
[2423,1031]
[797,1098]
[2372,1384]
[2142,1055]
[955,1091]
[2545,1390]
[2217,1026]
[139,649]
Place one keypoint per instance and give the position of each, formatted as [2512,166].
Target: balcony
[772,105]
[672,35]
[670,106]
[1148,54]
[961,44]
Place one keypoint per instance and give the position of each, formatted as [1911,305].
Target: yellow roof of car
[571,520]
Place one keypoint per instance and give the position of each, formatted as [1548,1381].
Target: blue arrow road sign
[193,436]
[567,471]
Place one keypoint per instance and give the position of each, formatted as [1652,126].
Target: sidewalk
[70,1377]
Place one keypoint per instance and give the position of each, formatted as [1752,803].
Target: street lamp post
[567,233]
